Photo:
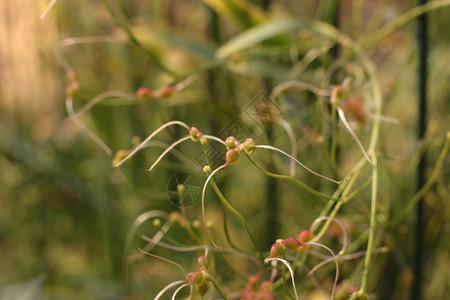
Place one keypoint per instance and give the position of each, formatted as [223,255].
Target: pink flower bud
[291,243]
[165,92]
[144,93]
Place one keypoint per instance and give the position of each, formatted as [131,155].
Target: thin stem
[344,121]
[141,145]
[47,9]
[291,136]
[203,201]
[290,271]
[167,151]
[90,134]
[292,179]
[298,162]
[373,213]
[400,21]
[179,289]
[216,286]
[164,259]
[168,287]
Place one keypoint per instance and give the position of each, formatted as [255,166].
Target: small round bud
[196,224]
[165,92]
[175,218]
[181,189]
[231,142]
[120,155]
[156,223]
[144,93]
[203,140]
[291,243]
[202,289]
[195,134]
[305,236]
[207,170]
[233,156]
[249,146]
[275,250]
[253,282]
[337,95]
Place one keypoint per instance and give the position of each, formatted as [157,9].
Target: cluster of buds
[199,278]
[163,92]
[252,292]
[235,148]
[200,282]
[292,244]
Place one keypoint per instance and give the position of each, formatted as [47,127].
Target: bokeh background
[65,211]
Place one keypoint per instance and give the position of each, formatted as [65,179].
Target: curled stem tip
[290,271]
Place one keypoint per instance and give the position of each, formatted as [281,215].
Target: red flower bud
[144,93]
[291,243]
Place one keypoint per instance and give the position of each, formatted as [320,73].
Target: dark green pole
[422,43]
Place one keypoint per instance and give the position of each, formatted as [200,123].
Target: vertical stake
[422,43]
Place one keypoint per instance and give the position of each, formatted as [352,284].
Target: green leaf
[268,30]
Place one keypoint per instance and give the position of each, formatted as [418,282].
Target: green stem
[400,21]
[292,179]
[237,215]
[216,285]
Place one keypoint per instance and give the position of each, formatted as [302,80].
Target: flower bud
[156,223]
[291,243]
[195,134]
[120,155]
[275,250]
[249,146]
[202,288]
[305,236]
[252,282]
[233,156]
[175,218]
[337,94]
[144,93]
[181,189]
[203,140]
[207,170]
[165,92]
[231,142]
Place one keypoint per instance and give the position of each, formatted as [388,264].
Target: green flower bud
[207,170]
[180,189]
[156,223]
[233,156]
[231,142]
[195,134]
[249,146]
